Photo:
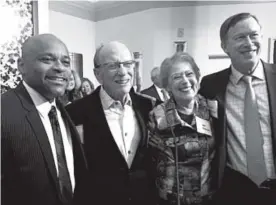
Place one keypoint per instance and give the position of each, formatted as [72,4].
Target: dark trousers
[238,189]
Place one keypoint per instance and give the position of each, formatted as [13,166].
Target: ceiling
[97,10]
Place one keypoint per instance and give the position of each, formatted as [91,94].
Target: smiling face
[45,65]
[116,80]
[182,82]
[71,83]
[86,88]
[243,44]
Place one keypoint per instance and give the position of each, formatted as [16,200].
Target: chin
[58,92]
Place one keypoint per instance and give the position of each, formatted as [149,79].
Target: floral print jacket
[175,142]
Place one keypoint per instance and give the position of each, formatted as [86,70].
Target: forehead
[114,53]
[244,26]
[180,67]
[85,83]
[47,47]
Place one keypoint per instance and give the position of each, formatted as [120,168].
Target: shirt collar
[157,88]
[108,102]
[42,105]
[258,73]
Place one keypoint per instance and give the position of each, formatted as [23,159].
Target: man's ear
[98,75]
[20,65]
[223,46]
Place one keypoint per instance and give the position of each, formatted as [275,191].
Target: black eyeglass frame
[117,64]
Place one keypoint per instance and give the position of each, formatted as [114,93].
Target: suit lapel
[270,73]
[143,129]
[78,151]
[221,139]
[156,93]
[35,122]
[101,118]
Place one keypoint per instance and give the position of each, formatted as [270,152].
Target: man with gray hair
[156,90]
[243,98]
[114,120]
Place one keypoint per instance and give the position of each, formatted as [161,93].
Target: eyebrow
[53,55]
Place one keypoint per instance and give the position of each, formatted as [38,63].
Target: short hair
[232,21]
[97,56]
[168,63]
[87,80]
[153,72]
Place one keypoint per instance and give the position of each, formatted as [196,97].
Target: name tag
[213,107]
[203,126]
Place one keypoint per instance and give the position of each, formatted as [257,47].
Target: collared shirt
[161,95]
[43,107]
[123,125]
[236,143]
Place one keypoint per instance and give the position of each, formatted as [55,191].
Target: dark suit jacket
[151,91]
[113,181]
[214,87]
[28,173]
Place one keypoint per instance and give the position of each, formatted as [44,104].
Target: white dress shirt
[236,143]
[123,125]
[43,107]
[161,95]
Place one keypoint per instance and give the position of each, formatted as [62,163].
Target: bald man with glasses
[114,120]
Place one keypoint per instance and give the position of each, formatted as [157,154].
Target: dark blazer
[28,173]
[214,87]
[151,91]
[113,181]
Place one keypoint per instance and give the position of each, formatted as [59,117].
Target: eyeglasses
[116,65]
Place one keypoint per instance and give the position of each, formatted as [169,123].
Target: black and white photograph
[138,102]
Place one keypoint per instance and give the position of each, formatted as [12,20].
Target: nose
[59,67]
[184,79]
[122,70]
[248,40]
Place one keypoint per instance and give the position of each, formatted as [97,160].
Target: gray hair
[168,63]
[154,72]
[97,56]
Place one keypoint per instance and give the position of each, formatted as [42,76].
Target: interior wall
[152,32]
[79,35]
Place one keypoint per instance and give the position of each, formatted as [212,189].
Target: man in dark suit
[42,158]
[156,90]
[243,99]
[114,120]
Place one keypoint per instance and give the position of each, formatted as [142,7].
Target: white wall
[152,32]
[79,35]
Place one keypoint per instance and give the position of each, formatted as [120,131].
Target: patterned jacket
[172,140]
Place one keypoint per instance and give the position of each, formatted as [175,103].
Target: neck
[245,69]
[157,86]
[185,107]
[119,97]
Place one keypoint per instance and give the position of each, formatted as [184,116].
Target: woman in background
[72,92]
[181,136]
[87,87]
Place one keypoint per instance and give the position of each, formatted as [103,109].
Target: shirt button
[125,134]
[129,198]
[129,152]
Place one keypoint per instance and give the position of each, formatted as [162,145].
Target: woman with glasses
[181,136]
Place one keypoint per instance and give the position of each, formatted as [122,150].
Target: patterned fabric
[195,152]
[236,145]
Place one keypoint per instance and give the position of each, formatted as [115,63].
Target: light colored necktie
[165,97]
[254,139]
